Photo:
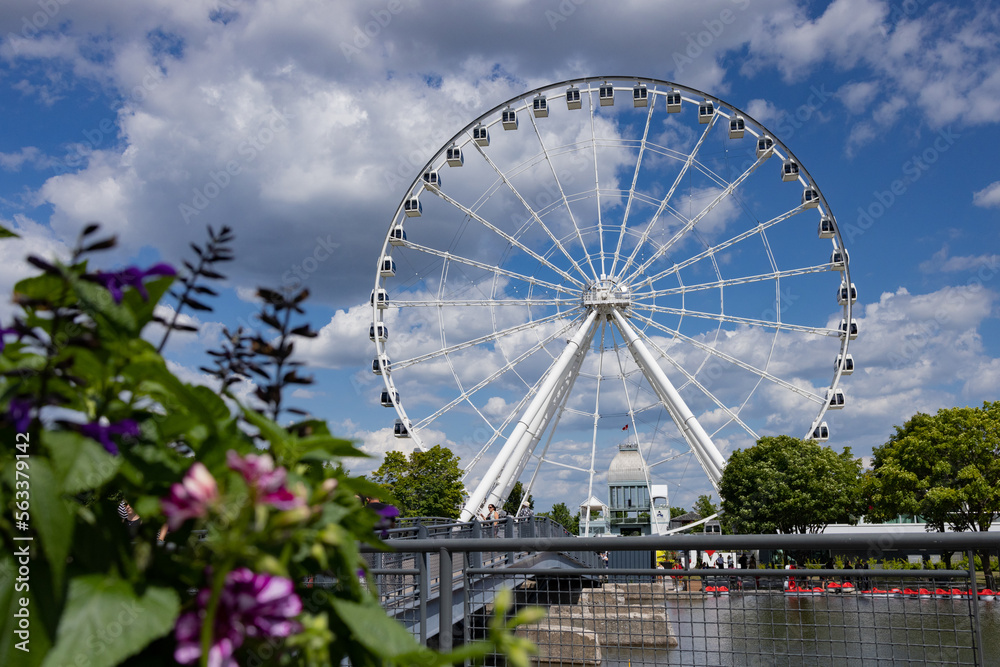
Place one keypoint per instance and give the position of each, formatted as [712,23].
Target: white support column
[515,465]
[699,441]
[516,445]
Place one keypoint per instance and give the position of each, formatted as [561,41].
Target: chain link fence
[442,589]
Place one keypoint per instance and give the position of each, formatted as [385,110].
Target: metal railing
[444,577]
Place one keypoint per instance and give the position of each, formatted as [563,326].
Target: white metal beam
[699,441]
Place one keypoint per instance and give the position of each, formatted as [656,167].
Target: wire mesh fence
[443,591]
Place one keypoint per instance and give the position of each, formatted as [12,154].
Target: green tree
[784,484]
[677,511]
[943,467]
[426,484]
[561,515]
[513,502]
[705,507]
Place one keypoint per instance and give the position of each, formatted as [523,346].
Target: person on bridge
[491,514]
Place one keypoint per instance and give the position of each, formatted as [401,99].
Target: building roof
[594,504]
[689,517]
[627,467]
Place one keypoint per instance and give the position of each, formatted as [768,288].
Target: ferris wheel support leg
[699,441]
[517,444]
[538,425]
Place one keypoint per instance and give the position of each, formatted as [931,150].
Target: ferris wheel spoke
[631,191]
[733,360]
[692,380]
[510,239]
[689,225]
[666,199]
[496,335]
[719,317]
[597,183]
[714,250]
[534,214]
[491,303]
[562,194]
[729,282]
[452,257]
[468,393]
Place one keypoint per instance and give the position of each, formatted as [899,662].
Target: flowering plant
[253,510]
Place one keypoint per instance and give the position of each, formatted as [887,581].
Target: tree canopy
[943,467]
[426,484]
[513,502]
[561,515]
[788,485]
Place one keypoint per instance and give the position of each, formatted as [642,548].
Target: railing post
[423,583]
[508,532]
[446,577]
[974,595]
[476,557]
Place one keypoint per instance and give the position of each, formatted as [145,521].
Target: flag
[625,427]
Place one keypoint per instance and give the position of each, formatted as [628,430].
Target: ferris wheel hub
[606,295]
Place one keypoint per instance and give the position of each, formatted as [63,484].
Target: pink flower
[250,605]
[191,498]
[266,483]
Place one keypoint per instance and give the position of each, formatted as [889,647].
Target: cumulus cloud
[988,197]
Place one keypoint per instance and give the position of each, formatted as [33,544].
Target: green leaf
[51,516]
[6,233]
[113,320]
[78,462]
[330,445]
[270,431]
[142,309]
[45,287]
[107,621]
[372,629]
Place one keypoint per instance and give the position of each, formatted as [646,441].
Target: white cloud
[856,96]
[35,239]
[988,197]
[942,262]
[763,111]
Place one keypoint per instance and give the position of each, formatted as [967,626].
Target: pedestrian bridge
[427,581]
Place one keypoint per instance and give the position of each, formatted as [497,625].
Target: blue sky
[302,125]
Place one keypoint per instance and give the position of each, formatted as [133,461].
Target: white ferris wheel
[609,258]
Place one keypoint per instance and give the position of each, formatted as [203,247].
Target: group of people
[493,516]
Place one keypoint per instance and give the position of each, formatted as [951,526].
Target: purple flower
[131,277]
[266,483]
[191,498]
[386,517]
[19,413]
[250,605]
[102,432]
